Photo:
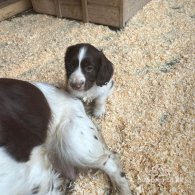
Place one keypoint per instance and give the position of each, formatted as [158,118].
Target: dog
[45,135]
[89,75]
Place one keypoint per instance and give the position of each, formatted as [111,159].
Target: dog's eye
[89,68]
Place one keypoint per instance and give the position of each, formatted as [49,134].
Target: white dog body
[72,141]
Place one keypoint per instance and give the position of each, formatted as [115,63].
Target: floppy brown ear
[68,55]
[67,59]
[105,71]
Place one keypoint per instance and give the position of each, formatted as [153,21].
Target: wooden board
[106,15]
[44,6]
[9,8]
[130,8]
[110,12]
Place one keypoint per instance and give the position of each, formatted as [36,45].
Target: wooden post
[85,10]
[58,8]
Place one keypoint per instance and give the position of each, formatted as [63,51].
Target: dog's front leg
[99,106]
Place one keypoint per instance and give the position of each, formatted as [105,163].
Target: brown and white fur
[46,134]
[89,75]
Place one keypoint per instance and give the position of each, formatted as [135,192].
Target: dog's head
[85,65]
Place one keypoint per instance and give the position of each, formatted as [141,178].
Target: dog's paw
[70,185]
[99,112]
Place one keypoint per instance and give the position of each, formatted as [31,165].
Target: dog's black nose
[77,85]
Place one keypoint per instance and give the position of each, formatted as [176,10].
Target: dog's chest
[86,96]
[89,96]
[88,99]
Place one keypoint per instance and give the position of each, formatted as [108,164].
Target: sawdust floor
[150,115]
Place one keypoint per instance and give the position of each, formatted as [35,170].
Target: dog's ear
[67,59]
[105,71]
[68,54]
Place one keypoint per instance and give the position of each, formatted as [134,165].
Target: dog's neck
[92,93]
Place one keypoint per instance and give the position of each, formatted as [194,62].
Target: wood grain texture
[12,7]
[85,11]
[111,12]
[44,6]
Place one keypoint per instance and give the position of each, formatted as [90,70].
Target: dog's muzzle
[77,85]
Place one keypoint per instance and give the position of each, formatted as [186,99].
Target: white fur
[99,94]
[77,76]
[23,178]
[82,52]
[75,139]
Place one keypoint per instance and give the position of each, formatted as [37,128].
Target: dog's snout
[77,85]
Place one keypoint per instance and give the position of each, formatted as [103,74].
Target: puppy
[89,75]
[46,134]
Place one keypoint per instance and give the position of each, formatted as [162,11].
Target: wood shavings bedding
[150,115]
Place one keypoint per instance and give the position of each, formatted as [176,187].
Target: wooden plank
[114,3]
[121,14]
[4,3]
[130,8]
[85,10]
[110,12]
[72,11]
[70,2]
[11,8]
[58,8]
[44,6]
[106,15]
